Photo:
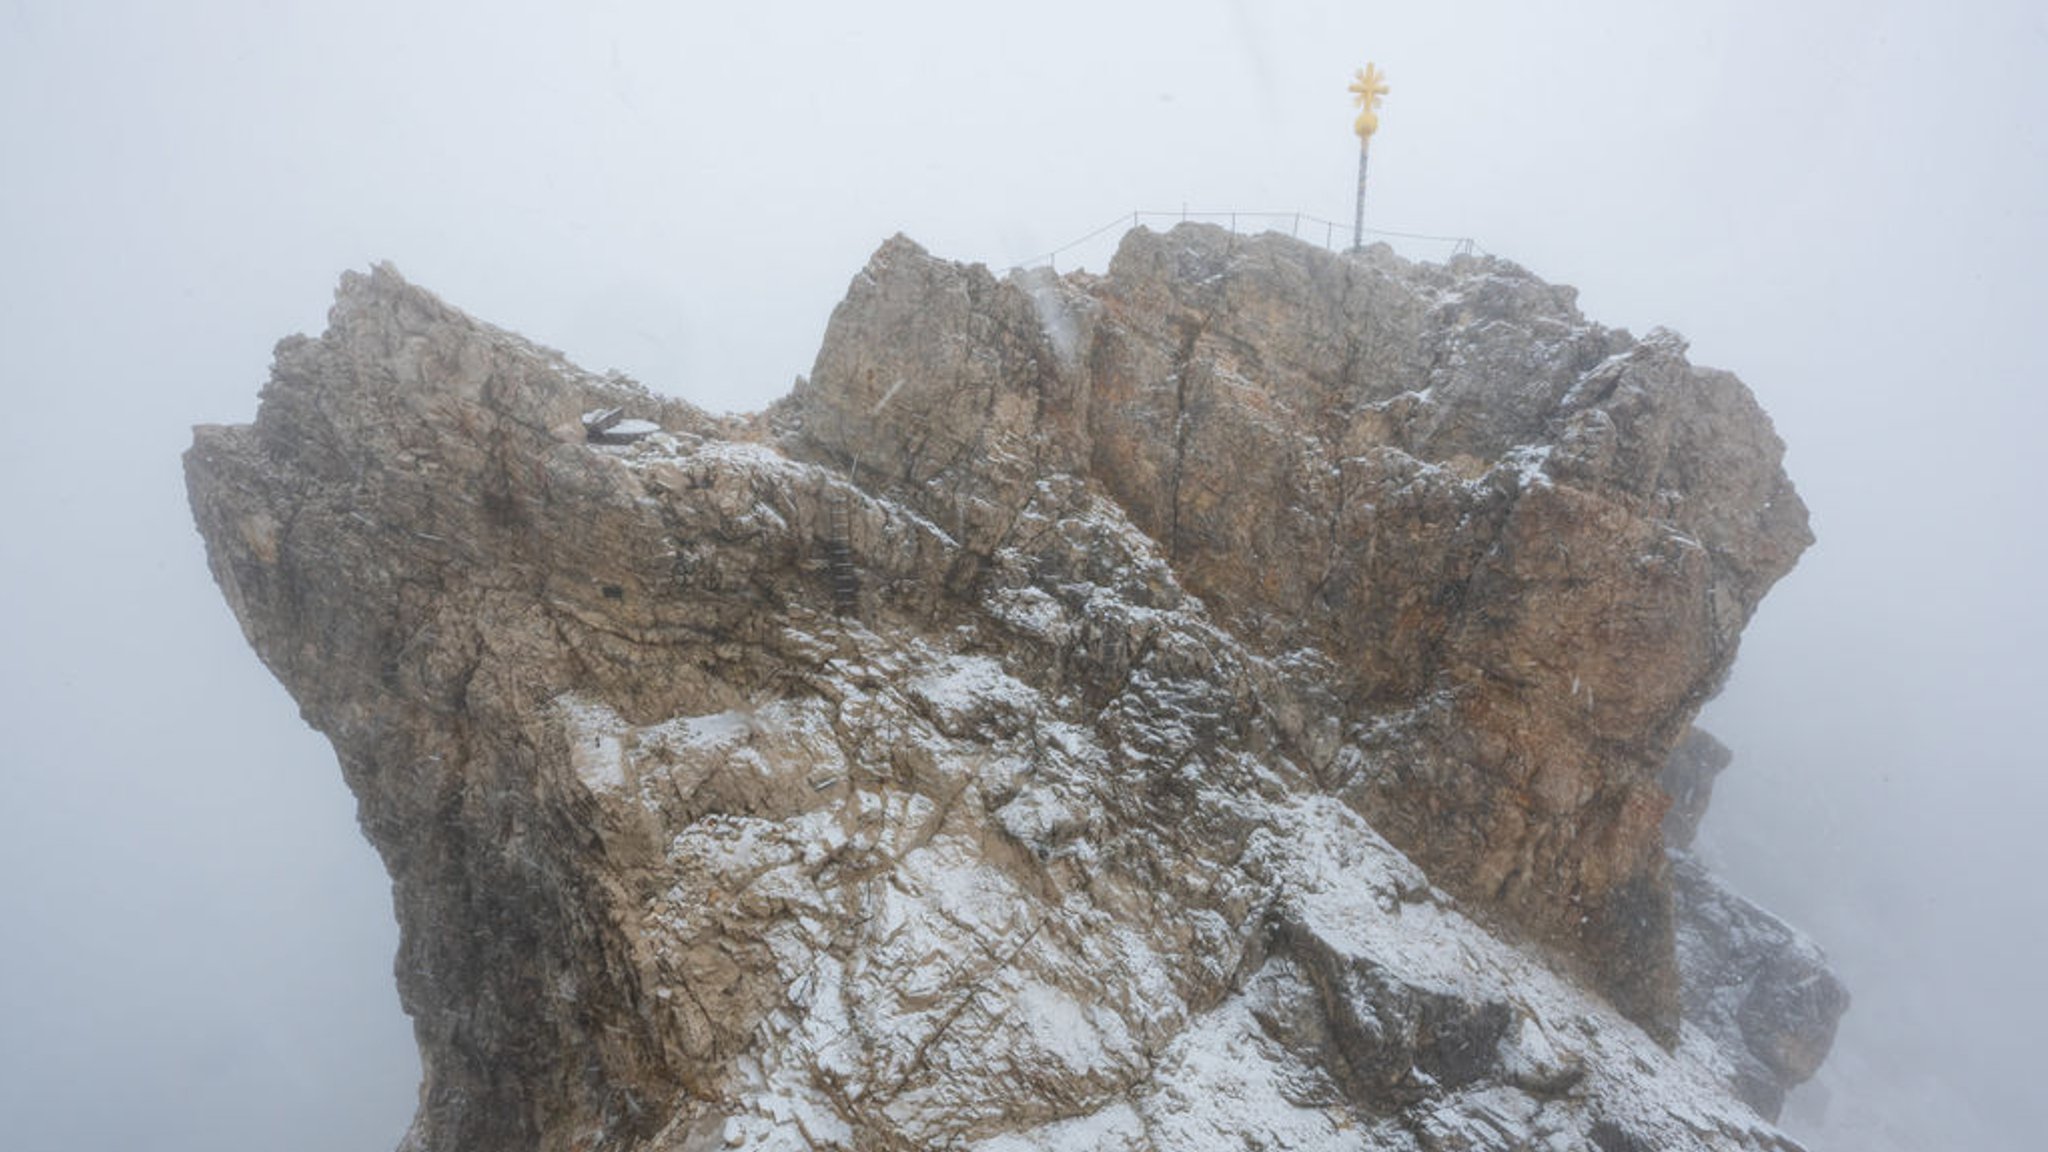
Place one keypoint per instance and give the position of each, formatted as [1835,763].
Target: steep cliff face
[1526,545]
[992,744]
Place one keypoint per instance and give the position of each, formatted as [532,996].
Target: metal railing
[1314,229]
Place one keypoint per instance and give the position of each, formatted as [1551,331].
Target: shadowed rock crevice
[991,744]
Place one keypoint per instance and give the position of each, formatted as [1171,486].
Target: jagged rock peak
[1525,544]
[1213,704]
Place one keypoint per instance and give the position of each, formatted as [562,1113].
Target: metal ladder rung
[839,553]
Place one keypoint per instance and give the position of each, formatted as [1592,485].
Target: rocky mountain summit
[1234,701]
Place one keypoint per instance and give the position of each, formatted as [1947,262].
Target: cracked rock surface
[1217,704]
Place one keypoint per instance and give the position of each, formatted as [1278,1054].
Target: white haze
[1842,202]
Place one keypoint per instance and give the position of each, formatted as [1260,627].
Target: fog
[1844,203]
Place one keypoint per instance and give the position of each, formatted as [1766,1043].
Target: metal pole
[1367,88]
[1358,215]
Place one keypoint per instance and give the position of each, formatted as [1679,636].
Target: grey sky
[1845,203]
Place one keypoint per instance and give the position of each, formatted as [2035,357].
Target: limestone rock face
[1757,986]
[1688,778]
[1754,984]
[1213,705]
[1525,545]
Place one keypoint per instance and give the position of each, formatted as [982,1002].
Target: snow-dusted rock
[1015,843]
[1525,542]
[1756,986]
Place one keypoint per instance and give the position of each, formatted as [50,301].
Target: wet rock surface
[1215,704]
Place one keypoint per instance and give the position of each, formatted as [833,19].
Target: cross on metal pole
[1367,87]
